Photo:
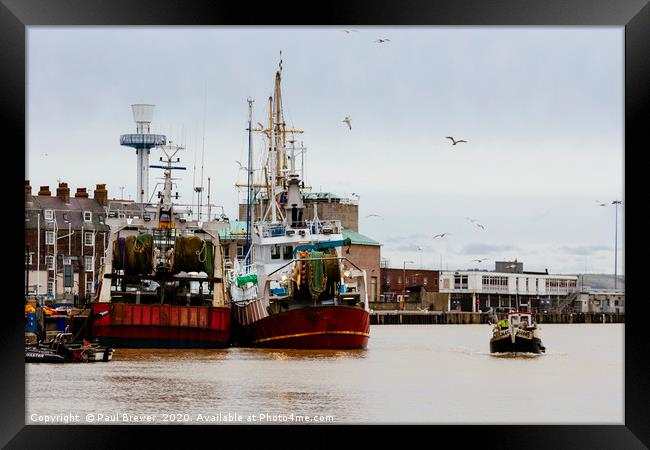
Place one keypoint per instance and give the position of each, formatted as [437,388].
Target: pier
[470,318]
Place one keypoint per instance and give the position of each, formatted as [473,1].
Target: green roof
[358,238]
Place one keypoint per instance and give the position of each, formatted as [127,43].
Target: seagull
[601,203]
[440,235]
[260,125]
[455,141]
[374,215]
[348,120]
[351,31]
[241,166]
[382,40]
[481,260]
[481,226]
[471,220]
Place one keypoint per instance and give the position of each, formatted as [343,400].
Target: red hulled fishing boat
[162,282]
[295,288]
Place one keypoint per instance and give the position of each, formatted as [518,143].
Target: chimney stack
[101,194]
[63,192]
[81,193]
[28,191]
[45,190]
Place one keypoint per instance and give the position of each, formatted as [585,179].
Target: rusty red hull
[161,326]
[322,327]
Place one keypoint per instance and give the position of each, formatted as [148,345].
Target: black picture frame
[16,15]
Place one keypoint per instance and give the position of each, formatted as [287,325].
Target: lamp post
[404,274]
[616,203]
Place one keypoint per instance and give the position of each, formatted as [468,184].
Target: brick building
[65,239]
[329,207]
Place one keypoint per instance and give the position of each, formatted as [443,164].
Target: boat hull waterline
[161,326]
[317,327]
[505,344]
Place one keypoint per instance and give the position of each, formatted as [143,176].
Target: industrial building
[600,301]
[507,287]
[328,206]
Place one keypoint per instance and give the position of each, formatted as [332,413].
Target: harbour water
[437,374]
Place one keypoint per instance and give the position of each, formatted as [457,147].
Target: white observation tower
[143,142]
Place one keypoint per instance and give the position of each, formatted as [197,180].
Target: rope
[202,251]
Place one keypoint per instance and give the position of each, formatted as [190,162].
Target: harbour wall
[469,318]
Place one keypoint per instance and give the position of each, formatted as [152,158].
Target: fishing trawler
[162,277]
[295,288]
[518,333]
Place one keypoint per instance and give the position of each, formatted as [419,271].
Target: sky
[541,109]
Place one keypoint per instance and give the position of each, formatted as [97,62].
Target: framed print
[427,225]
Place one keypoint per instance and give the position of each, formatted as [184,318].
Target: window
[101,260]
[90,286]
[275,252]
[288,252]
[49,238]
[88,239]
[240,251]
[28,259]
[425,281]
[88,263]
[49,262]
[88,216]
[65,218]
[460,282]
[49,215]
[226,251]
[26,216]
[50,286]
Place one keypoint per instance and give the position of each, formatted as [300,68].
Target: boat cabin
[519,319]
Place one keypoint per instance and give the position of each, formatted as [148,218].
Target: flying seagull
[382,40]
[241,166]
[440,235]
[471,220]
[455,141]
[374,215]
[348,120]
[481,226]
[601,203]
[260,125]
[481,260]
[351,31]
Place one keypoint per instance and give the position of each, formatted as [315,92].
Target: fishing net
[316,273]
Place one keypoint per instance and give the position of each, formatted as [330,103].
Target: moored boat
[63,349]
[518,333]
[162,283]
[295,288]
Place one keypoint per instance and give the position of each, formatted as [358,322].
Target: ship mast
[165,195]
[277,157]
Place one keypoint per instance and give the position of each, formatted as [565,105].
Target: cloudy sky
[540,107]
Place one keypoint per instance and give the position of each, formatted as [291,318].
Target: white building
[601,300]
[537,290]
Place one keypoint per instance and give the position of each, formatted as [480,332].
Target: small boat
[37,354]
[518,333]
[63,349]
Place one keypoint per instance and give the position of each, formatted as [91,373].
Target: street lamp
[404,274]
[616,203]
